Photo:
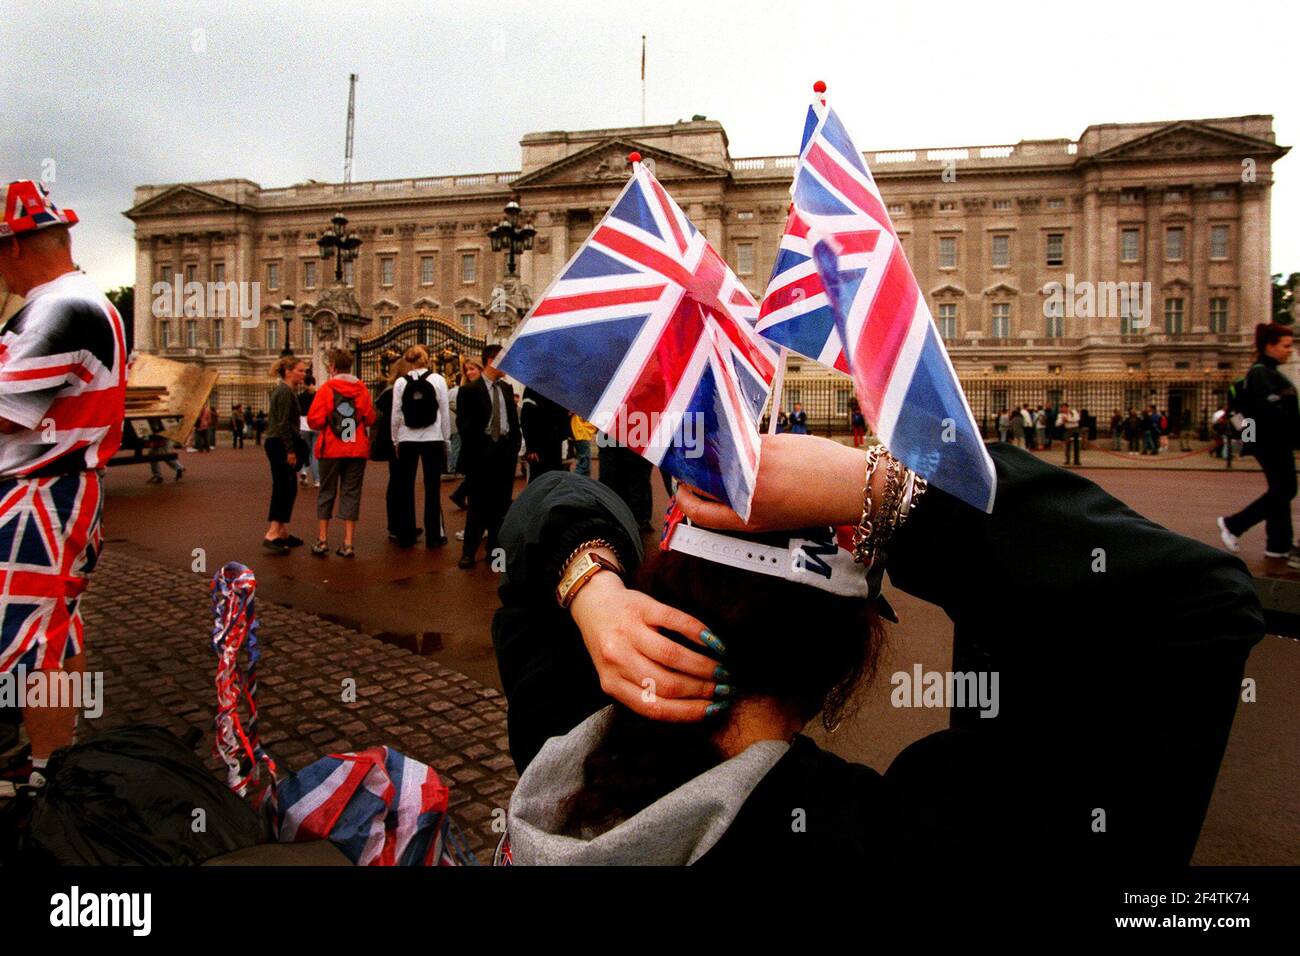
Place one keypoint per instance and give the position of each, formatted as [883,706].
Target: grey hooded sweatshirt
[675,830]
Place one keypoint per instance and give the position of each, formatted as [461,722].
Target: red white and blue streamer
[238,741]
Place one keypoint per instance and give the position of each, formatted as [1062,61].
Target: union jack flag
[841,277]
[50,540]
[378,806]
[646,326]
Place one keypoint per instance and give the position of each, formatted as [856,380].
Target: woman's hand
[803,481]
[292,459]
[638,666]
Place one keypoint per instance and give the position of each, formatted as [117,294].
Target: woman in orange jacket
[340,413]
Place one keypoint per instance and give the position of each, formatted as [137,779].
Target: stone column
[143,320]
[1256,298]
[241,270]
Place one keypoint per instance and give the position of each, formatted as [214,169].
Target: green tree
[1284,297]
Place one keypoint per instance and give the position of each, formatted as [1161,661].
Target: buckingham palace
[1133,252]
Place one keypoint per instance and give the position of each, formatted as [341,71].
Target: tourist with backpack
[341,413]
[420,426]
[1265,410]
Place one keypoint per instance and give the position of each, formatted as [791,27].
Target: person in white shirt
[421,428]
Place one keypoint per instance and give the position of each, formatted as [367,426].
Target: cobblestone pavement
[148,629]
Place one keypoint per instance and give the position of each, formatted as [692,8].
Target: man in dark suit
[545,425]
[488,424]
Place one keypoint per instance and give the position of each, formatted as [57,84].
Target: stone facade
[1183,206]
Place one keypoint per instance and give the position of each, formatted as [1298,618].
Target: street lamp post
[286,310]
[511,237]
[340,243]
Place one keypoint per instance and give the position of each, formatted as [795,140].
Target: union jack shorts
[50,540]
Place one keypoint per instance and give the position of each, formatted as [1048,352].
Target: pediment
[385,304]
[425,304]
[181,199]
[607,162]
[1001,288]
[948,291]
[1189,139]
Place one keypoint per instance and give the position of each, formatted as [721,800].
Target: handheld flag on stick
[843,294]
[649,336]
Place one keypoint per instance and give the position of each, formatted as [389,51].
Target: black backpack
[343,419]
[420,401]
[1240,404]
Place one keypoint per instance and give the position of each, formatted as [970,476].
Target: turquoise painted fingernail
[712,642]
[721,691]
[721,674]
[714,709]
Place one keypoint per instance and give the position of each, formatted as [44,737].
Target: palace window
[947,252]
[1218,242]
[744,258]
[309,275]
[947,206]
[1129,245]
[1174,243]
[1219,192]
[218,333]
[272,334]
[384,322]
[386,231]
[308,335]
[273,275]
[1055,326]
[386,270]
[467,322]
[164,334]
[1130,196]
[349,272]
[191,333]
[1056,203]
[1002,320]
[998,369]
[1053,370]
[1174,316]
[1174,195]
[165,274]
[218,272]
[745,214]
[1002,204]
[896,209]
[1056,248]
[468,267]
[1219,315]
[191,272]
[426,270]
[948,320]
[1001,251]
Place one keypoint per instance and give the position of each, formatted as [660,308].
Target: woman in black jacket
[1106,741]
[1271,435]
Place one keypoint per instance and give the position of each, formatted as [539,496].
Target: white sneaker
[1230,540]
[460,535]
[1275,554]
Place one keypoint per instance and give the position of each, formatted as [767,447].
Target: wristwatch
[581,570]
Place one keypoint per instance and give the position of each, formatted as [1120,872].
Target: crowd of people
[423,426]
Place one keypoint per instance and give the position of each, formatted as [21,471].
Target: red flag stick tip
[634,157]
[819,87]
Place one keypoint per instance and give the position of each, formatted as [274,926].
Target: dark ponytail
[1270,333]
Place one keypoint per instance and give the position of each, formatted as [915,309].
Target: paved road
[419,598]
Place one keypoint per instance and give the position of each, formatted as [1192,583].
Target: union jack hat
[820,557]
[28,207]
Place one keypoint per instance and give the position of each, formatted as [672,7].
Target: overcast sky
[123,93]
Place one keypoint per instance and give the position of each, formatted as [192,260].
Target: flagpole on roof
[643,79]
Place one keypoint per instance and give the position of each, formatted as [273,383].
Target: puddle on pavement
[424,643]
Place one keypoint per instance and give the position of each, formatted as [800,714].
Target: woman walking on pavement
[1269,402]
[341,413]
[284,451]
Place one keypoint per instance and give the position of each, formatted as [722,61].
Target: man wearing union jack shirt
[62,405]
